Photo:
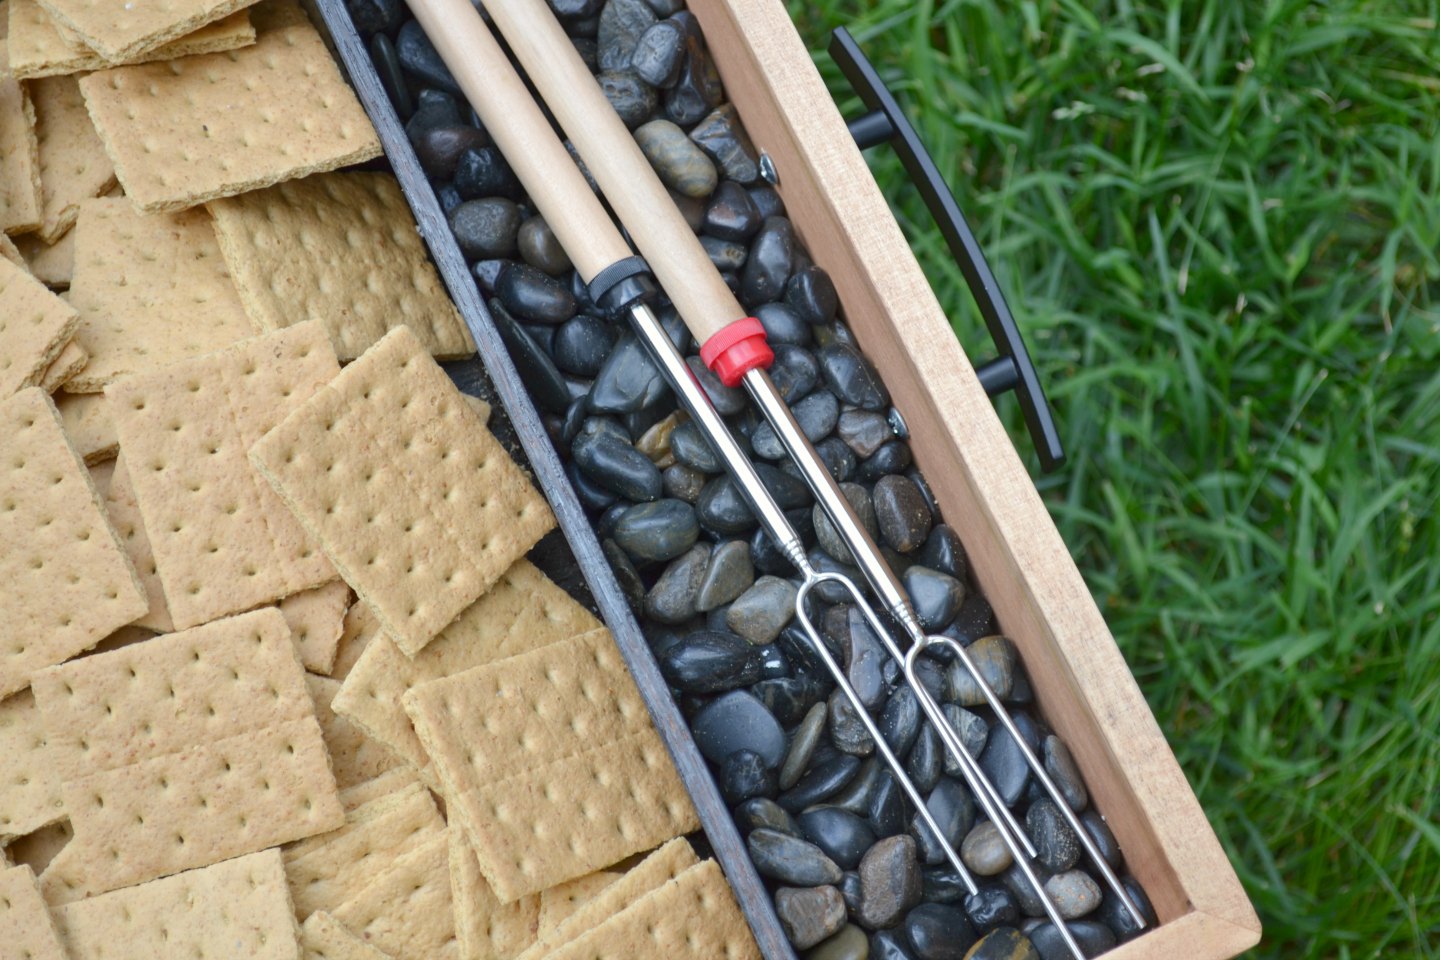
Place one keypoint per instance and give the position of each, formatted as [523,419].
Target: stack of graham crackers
[276,679]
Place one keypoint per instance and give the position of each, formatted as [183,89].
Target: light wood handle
[523,134]
[613,158]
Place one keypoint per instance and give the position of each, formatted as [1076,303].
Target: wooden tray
[1083,686]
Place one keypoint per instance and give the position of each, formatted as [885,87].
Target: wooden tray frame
[1024,567]
[985,493]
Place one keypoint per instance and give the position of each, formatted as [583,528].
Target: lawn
[1218,225]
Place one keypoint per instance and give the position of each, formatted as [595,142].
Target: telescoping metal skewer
[734,349]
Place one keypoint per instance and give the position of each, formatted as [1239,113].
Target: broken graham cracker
[239,908]
[182,751]
[29,786]
[406,910]
[73,162]
[391,781]
[35,328]
[121,31]
[222,541]
[340,248]
[180,137]
[317,618]
[67,363]
[322,937]
[656,870]
[694,915]
[485,928]
[68,581]
[561,901]
[86,418]
[354,756]
[19,155]
[124,513]
[360,628]
[141,313]
[51,263]
[26,929]
[338,870]
[524,610]
[550,763]
[10,252]
[36,850]
[39,48]
[411,497]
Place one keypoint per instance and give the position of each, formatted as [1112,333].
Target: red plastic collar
[736,350]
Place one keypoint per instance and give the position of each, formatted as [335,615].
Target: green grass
[1218,224]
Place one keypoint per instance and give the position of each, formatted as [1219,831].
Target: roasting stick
[733,346]
[601,255]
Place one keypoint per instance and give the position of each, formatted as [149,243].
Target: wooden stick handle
[521,131]
[613,158]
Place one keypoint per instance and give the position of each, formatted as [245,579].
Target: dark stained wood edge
[715,817]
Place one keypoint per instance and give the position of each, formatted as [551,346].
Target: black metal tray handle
[886,123]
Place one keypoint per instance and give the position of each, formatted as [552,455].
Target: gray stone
[972,731]
[809,915]
[622,24]
[633,99]
[864,431]
[802,746]
[659,531]
[825,532]
[790,860]
[994,657]
[901,512]
[984,851]
[680,164]
[541,248]
[721,135]
[737,721]
[890,882]
[658,54]
[672,599]
[762,611]
[849,944]
[729,574]
[1056,844]
[1060,765]
[1074,893]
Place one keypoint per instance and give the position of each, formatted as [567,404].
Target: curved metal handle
[887,123]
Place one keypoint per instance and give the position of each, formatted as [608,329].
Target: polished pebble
[790,860]
[809,915]
[890,883]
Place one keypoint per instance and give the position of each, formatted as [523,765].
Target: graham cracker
[185,750]
[25,925]
[406,910]
[37,849]
[86,417]
[339,248]
[178,138]
[656,870]
[324,938]
[35,328]
[10,252]
[29,787]
[19,155]
[550,763]
[350,859]
[354,757]
[360,628]
[73,162]
[485,928]
[100,476]
[524,610]
[222,540]
[123,637]
[561,901]
[124,514]
[390,782]
[68,581]
[50,263]
[411,497]
[40,48]
[694,915]
[122,31]
[68,362]
[239,908]
[138,313]
[317,618]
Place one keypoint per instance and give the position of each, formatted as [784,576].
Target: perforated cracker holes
[411,497]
